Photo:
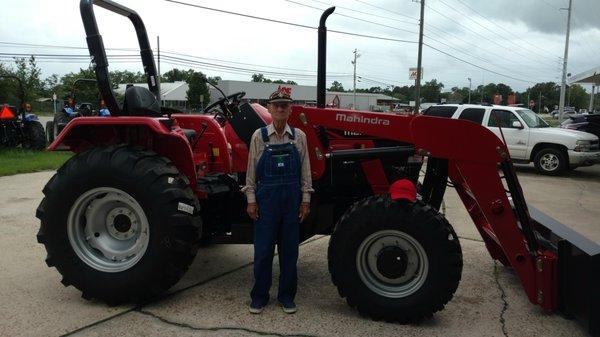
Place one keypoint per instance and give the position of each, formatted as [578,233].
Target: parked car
[528,137]
[568,110]
[585,123]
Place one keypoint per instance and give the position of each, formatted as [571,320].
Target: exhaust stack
[322,58]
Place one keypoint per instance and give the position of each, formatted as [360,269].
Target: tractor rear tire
[394,261]
[49,132]
[34,136]
[119,223]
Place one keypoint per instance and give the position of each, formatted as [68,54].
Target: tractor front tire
[394,261]
[34,136]
[49,132]
[119,223]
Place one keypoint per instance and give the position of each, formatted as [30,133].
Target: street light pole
[356,55]
[469,89]
[561,104]
[419,59]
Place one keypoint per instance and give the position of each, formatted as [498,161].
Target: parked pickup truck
[529,137]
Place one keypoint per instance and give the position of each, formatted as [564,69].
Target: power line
[478,34]
[365,13]
[163,51]
[387,10]
[465,53]
[80,58]
[354,18]
[489,30]
[286,22]
[493,23]
[550,5]
[477,66]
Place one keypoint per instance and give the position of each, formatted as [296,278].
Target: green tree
[550,94]
[336,86]
[29,74]
[126,76]
[285,82]
[214,80]
[404,93]
[431,91]
[578,97]
[8,87]
[175,75]
[260,78]
[197,93]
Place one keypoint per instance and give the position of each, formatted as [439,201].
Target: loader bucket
[578,270]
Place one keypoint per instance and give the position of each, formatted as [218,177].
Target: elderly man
[278,187]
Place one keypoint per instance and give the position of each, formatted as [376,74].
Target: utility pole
[561,104]
[356,55]
[591,107]
[419,59]
[158,77]
[540,103]
[469,89]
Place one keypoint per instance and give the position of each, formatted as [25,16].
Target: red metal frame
[473,154]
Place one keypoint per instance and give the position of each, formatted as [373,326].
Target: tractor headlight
[583,146]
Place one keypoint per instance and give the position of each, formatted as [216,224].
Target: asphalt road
[212,298]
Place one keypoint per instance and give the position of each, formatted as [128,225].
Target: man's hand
[252,210]
[304,210]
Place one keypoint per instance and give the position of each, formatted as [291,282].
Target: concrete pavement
[212,298]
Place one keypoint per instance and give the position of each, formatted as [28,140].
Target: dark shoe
[289,307]
[256,308]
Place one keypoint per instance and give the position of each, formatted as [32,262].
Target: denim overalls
[278,196]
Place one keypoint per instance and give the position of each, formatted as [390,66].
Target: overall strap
[293,135]
[265,136]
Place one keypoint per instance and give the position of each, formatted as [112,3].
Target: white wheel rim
[549,162]
[108,229]
[415,272]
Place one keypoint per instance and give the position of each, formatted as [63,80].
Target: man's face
[280,111]
[70,101]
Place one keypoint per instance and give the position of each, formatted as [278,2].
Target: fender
[153,134]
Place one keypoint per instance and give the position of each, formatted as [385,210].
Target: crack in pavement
[217,328]
[583,188]
[501,318]
[139,307]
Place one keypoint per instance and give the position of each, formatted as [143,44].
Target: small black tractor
[17,126]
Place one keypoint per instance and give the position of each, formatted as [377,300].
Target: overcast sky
[518,42]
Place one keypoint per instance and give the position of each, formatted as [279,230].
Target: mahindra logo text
[360,119]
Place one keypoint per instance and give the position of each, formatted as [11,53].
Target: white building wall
[302,93]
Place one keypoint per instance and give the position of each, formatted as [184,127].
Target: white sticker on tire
[185,208]
[170,180]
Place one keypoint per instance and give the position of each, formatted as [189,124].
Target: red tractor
[122,220]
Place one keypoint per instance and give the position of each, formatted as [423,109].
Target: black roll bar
[322,58]
[98,53]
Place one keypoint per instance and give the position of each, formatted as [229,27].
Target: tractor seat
[190,134]
[140,101]
[245,122]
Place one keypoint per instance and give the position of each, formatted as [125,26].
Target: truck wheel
[49,132]
[119,223]
[550,161]
[393,261]
[34,136]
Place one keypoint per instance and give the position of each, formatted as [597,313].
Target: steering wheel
[231,100]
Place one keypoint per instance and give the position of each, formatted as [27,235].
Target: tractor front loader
[122,220]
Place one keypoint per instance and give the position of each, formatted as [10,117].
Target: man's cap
[279,96]
[403,189]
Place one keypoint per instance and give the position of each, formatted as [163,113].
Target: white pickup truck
[529,137]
